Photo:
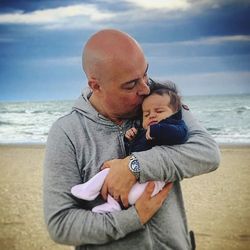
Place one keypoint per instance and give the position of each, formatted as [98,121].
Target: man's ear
[94,85]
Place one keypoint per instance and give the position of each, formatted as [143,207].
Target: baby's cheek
[145,124]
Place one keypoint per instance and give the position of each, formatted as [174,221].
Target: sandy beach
[217,204]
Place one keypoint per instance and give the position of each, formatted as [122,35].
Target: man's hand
[147,206]
[119,180]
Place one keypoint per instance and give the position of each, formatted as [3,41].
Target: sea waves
[29,122]
[227,118]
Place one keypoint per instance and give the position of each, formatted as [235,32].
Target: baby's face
[155,108]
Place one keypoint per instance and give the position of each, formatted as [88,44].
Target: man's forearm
[77,226]
[67,222]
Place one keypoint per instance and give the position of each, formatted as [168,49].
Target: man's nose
[143,88]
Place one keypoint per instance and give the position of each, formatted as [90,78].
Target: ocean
[227,118]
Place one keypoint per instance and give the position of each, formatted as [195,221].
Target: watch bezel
[132,163]
[135,165]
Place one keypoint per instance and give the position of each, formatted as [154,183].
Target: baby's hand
[131,133]
[148,137]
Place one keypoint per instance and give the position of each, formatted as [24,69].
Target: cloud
[212,40]
[170,5]
[217,40]
[211,83]
[6,40]
[56,16]
[65,61]
[60,61]
[183,5]
[105,13]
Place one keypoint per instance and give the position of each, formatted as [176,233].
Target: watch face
[135,166]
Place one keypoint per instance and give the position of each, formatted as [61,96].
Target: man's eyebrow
[134,80]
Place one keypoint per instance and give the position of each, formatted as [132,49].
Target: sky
[201,45]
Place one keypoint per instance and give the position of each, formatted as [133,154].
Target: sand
[217,204]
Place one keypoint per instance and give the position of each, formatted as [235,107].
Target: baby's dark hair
[168,88]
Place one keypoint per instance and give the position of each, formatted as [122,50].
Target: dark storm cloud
[41,44]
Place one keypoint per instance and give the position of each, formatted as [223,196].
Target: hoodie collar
[83,106]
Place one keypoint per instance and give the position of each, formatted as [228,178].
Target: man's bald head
[107,47]
[116,69]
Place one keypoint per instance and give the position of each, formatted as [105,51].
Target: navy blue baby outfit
[170,131]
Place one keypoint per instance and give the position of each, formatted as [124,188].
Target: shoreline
[23,144]
[43,144]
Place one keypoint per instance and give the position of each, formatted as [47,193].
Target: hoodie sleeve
[199,155]
[67,222]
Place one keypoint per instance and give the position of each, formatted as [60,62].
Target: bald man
[84,141]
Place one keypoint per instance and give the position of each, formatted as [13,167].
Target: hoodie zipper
[121,139]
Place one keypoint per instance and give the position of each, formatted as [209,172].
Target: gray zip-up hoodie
[79,143]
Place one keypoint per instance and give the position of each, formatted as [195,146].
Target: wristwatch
[134,166]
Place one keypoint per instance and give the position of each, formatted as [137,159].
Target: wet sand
[217,204]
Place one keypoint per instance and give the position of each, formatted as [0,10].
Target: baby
[162,124]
